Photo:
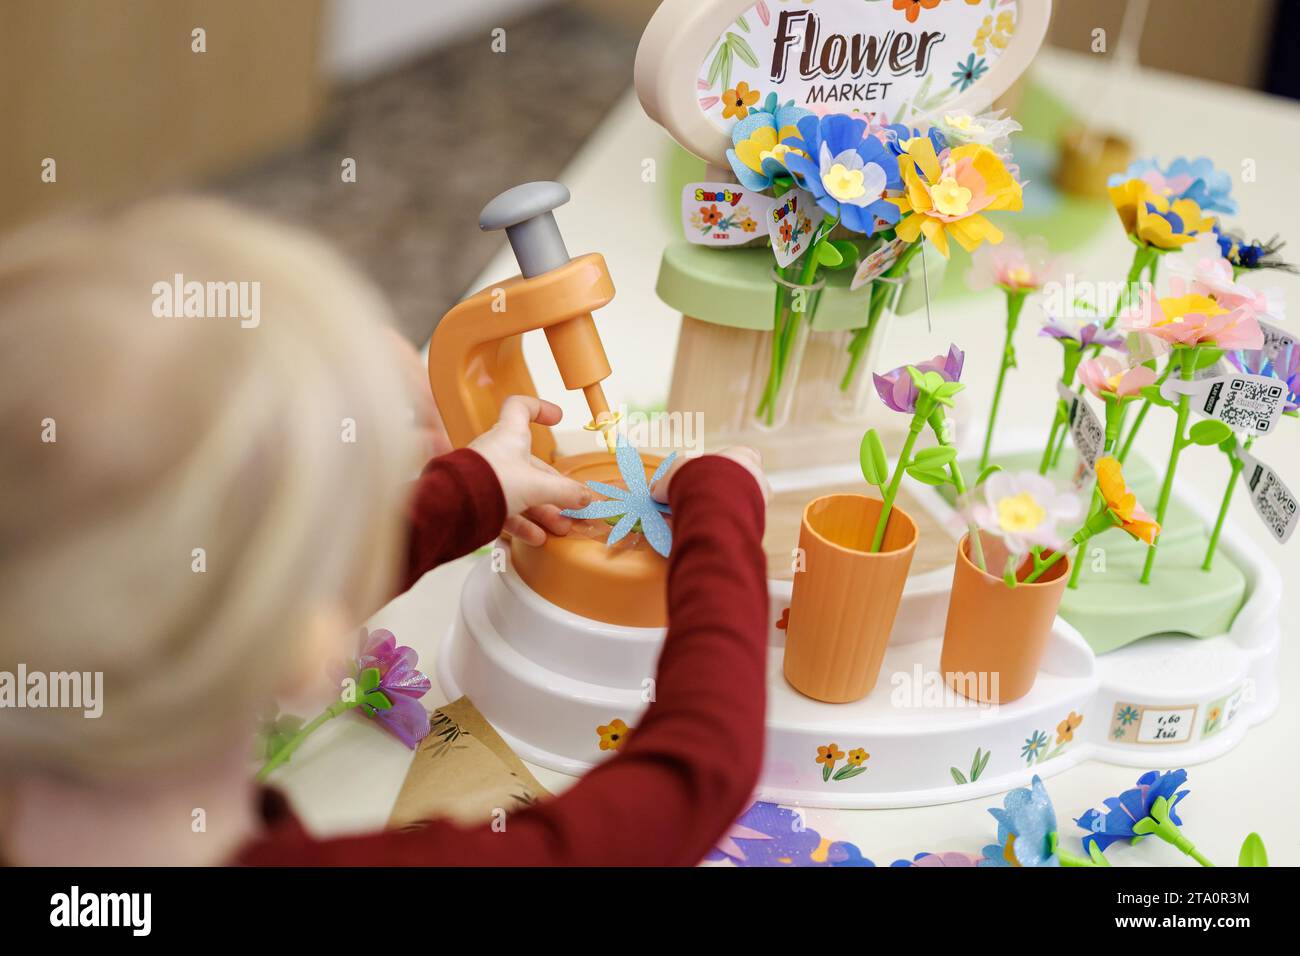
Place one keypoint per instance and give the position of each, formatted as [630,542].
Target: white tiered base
[547,679]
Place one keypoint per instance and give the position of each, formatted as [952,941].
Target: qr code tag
[1086,430]
[1274,503]
[1247,403]
[1275,340]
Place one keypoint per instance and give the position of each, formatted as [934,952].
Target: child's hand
[535,492]
[746,457]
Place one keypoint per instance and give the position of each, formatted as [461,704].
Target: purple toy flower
[1122,813]
[1284,366]
[1082,335]
[897,390]
[400,685]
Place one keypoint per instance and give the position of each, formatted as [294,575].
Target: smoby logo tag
[722,214]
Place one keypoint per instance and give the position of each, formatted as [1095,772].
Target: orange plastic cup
[845,600]
[995,638]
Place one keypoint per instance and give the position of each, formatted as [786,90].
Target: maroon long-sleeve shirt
[689,769]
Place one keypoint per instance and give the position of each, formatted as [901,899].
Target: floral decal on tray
[830,755]
[1037,748]
[614,734]
[977,765]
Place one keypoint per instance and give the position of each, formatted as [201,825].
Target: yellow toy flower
[950,198]
[613,735]
[1155,221]
[1123,504]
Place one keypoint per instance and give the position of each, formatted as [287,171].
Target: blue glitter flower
[632,505]
[1122,813]
[1026,829]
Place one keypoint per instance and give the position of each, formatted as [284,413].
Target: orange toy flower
[1123,504]
[613,735]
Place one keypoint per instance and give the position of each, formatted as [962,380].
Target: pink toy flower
[1013,265]
[1201,268]
[1023,509]
[1107,375]
[1193,319]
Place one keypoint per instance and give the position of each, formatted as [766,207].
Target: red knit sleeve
[690,766]
[456,507]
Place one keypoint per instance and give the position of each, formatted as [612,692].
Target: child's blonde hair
[181,494]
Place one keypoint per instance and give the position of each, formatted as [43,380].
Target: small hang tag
[790,225]
[1275,340]
[1247,403]
[876,263]
[1274,503]
[1086,430]
[723,214]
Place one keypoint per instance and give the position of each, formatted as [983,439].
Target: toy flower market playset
[956,611]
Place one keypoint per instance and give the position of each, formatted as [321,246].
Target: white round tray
[547,679]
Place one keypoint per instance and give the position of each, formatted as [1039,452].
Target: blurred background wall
[115,93]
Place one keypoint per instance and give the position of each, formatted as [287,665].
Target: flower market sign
[704,65]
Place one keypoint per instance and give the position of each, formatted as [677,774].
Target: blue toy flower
[758,153]
[1194,179]
[1124,812]
[849,171]
[1026,829]
[632,505]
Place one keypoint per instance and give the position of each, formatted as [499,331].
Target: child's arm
[462,500]
[689,767]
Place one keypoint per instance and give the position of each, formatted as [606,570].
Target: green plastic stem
[904,459]
[284,753]
[1237,465]
[1187,370]
[880,294]
[1015,302]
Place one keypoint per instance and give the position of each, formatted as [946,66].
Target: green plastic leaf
[368,679]
[1210,432]
[875,466]
[928,476]
[742,49]
[377,700]
[829,256]
[1152,394]
[848,253]
[1208,357]
[986,474]
[1097,856]
[957,776]
[938,457]
[1253,852]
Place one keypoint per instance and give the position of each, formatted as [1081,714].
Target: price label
[1169,726]
[874,265]
[723,214]
[1247,403]
[1086,430]
[1275,340]
[1274,502]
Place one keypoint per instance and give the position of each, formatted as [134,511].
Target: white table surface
[616,213]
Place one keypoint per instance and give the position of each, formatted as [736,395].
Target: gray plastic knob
[525,213]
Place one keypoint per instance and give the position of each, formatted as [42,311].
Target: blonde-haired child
[201,507]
